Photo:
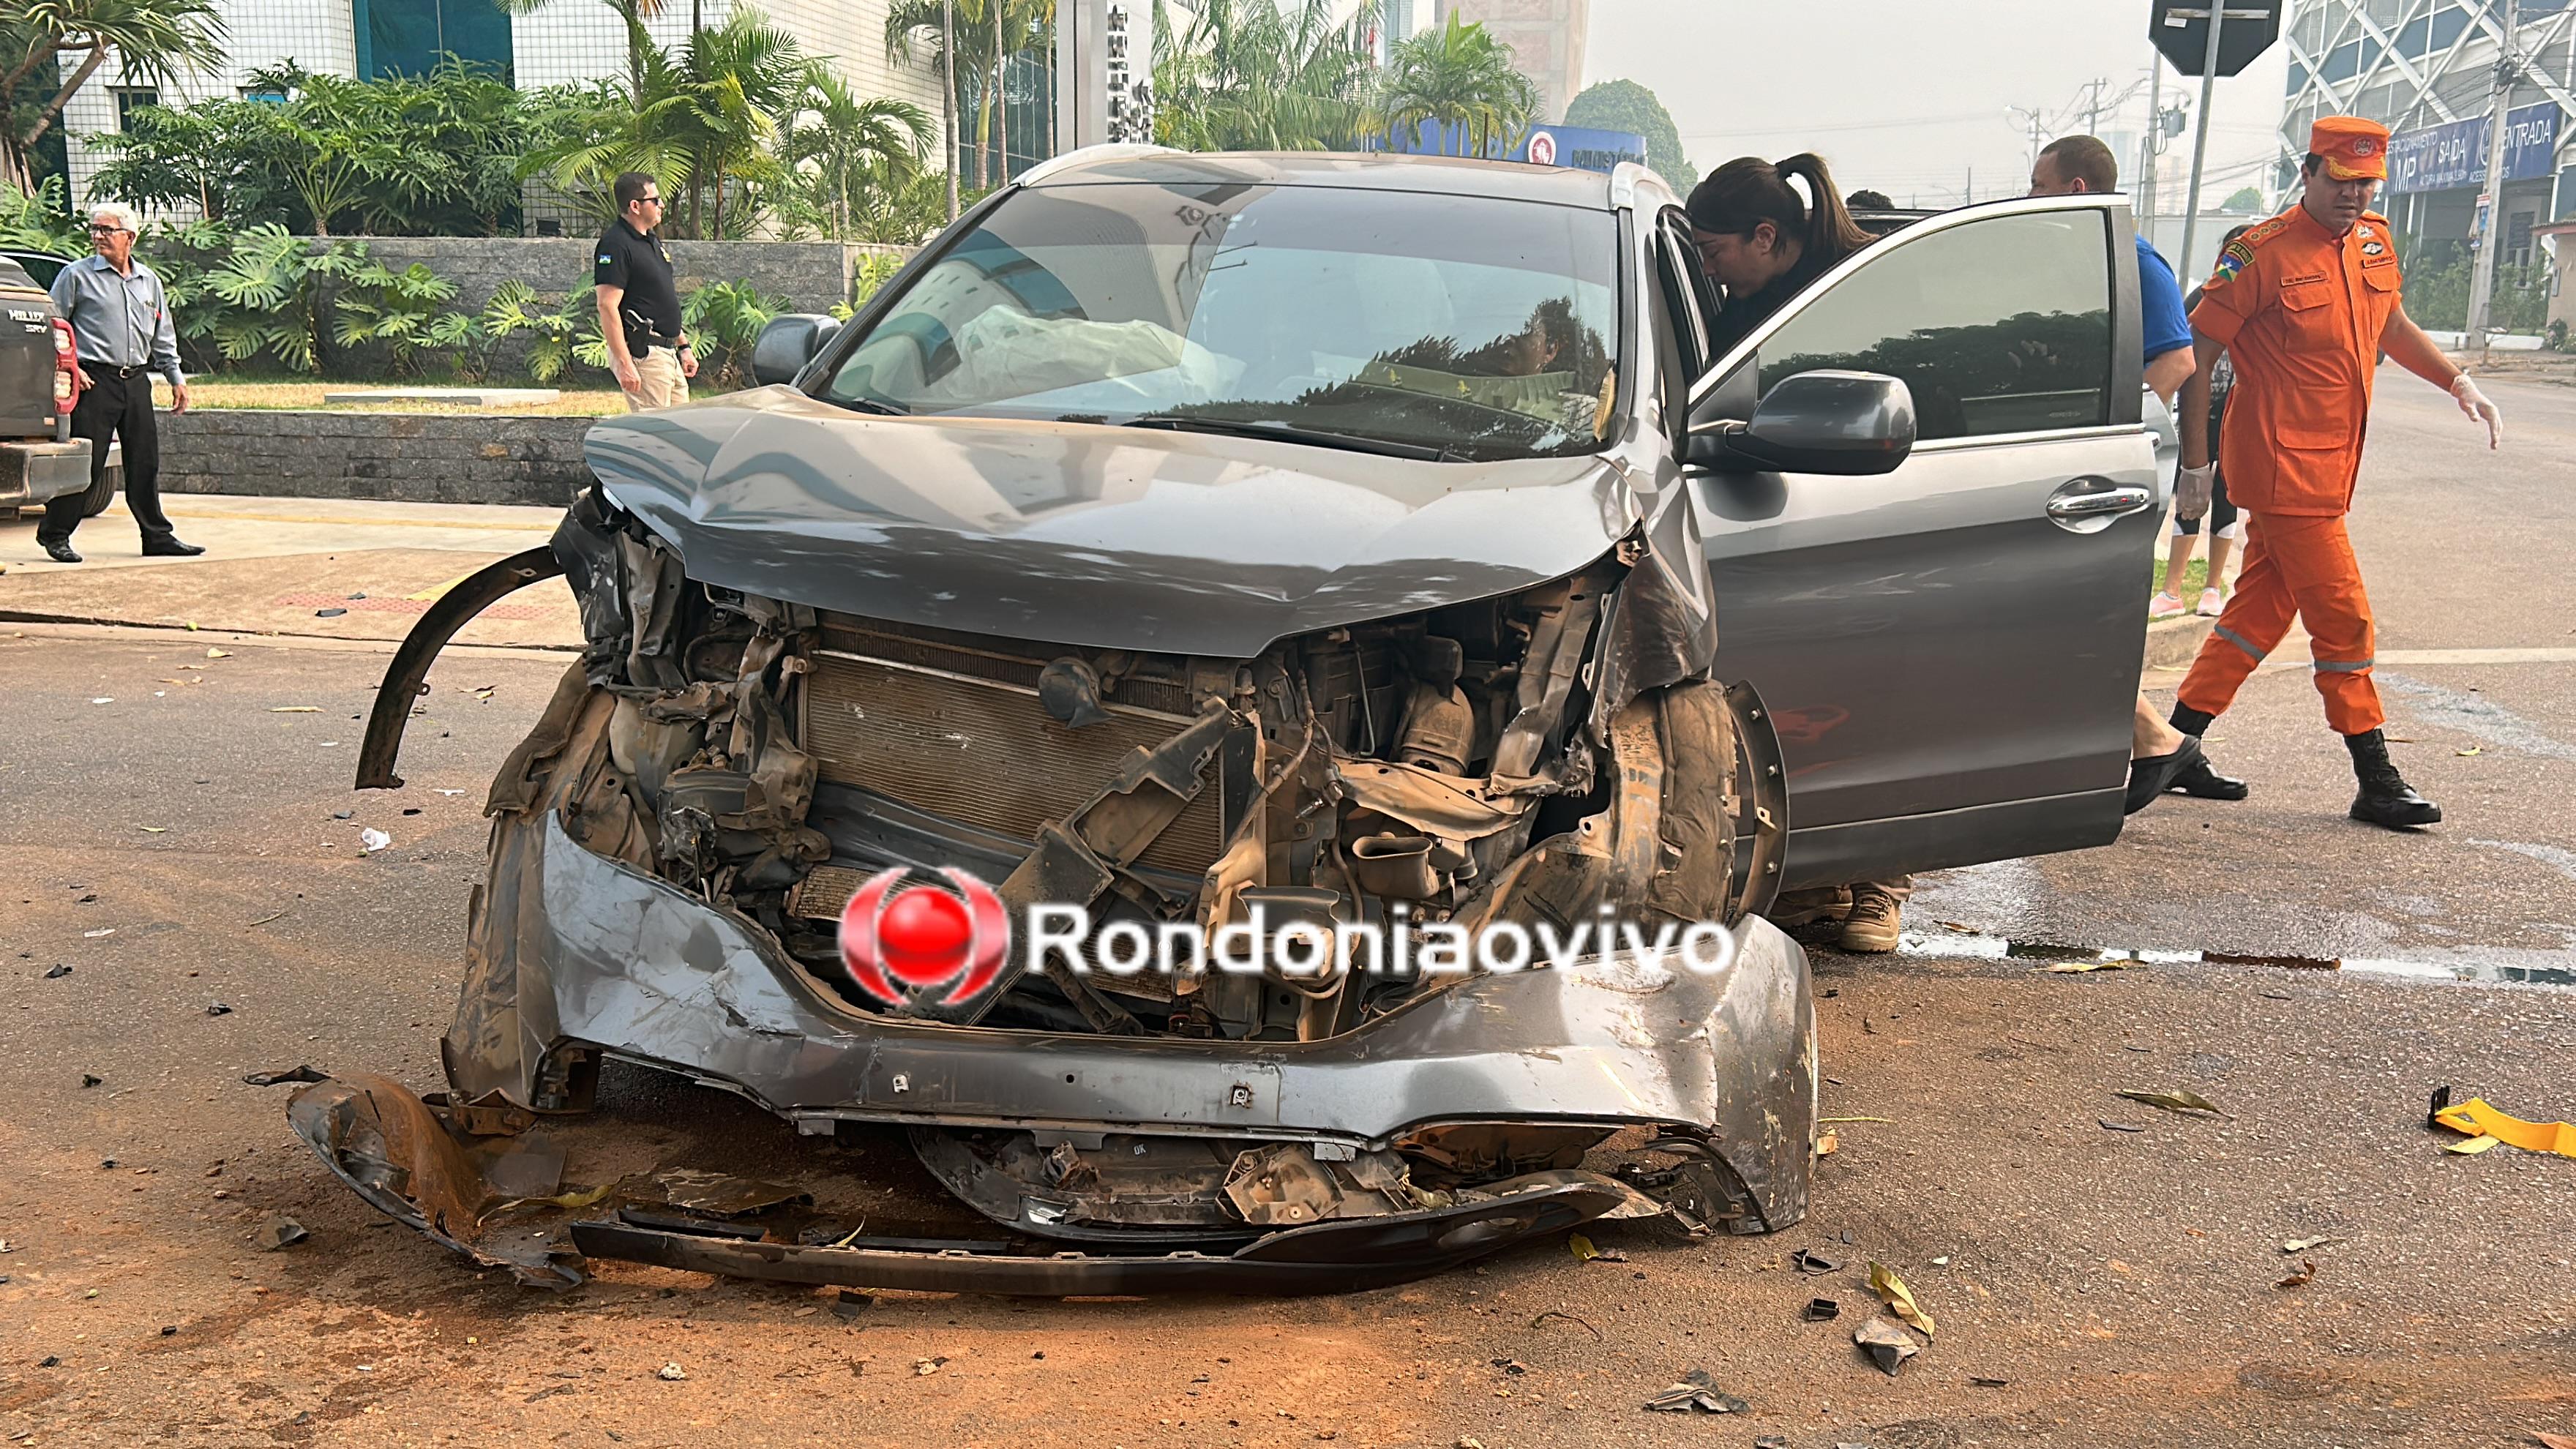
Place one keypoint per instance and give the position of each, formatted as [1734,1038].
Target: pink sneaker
[2211,604]
[2164,606]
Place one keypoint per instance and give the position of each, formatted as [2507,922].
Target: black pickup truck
[39,458]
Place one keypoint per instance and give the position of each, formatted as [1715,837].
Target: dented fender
[407,678]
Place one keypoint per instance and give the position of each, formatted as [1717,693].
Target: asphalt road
[176,845]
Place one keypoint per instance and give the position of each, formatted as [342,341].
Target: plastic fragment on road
[280,1231]
[2301,1245]
[371,840]
[672,1373]
[1887,1344]
[1899,1298]
[2484,1126]
[295,709]
[2306,1275]
[1697,1393]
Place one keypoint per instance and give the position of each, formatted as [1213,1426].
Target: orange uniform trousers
[2296,566]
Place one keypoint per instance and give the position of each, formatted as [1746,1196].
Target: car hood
[1103,537]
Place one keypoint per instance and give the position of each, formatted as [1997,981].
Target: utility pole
[2482,278]
[2155,139]
[2200,144]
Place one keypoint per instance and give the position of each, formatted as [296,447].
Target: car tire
[102,492]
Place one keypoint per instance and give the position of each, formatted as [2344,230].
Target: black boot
[2197,777]
[2385,798]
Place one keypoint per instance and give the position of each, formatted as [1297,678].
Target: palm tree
[1456,75]
[634,13]
[734,86]
[154,41]
[843,148]
[1252,75]
[978,36]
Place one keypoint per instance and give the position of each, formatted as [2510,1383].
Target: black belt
[112,369]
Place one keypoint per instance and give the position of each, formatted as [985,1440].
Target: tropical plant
[1624,105]
[639,44]
[580,139]
[40,220]
[405,312]
[987,34]
[2243,198]
[724,321]
[1256,75]
[1456,75]
[154,41]
[262,292]
[563,330]
[844,152]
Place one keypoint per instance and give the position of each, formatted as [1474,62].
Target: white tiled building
[563,41]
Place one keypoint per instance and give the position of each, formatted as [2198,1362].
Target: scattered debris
[2110,1126]
[2301,1245]
[101,931]
[671,1373]
[1584,1252]
[2175,1101]
[1511,1366]
[280,1231]
[334,613]
[1813,1263]
[2307,1274]
[1984,1382]
[2473,1146]
[2485,1126]
[281,1078]
[1697,1393]
[219,654]
[1828,1143]
[852,1303]
[2470,753]
[264,920]
[2075,968]
[1821,1310]
[371,840]
[1887,1344]
[57,972]
[923,1368]
[103,701]
[1899,1298]
[1561,1313]
[295,709]
[1941,1262]
[1771,1441]
[90,1079]
[217,1008]
[713,1192]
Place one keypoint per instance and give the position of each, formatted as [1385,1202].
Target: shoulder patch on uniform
[2237,255]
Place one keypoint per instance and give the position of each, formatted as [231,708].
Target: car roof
[1378,171]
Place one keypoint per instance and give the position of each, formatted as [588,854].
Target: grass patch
[2195,577]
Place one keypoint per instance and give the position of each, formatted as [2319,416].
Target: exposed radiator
[983,752]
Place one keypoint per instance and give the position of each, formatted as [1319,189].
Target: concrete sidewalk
[332,568]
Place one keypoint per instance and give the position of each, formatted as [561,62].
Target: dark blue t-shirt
[2160,304]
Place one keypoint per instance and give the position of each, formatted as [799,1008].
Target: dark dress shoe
[61,553]
[2201,780]
[2150,774]
[171,547]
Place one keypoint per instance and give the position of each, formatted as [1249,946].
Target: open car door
[1950,649]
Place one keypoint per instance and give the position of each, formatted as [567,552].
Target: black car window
[1475,326]
[1998,326]
[1684,291]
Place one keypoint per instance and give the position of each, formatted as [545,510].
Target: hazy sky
[1907,95]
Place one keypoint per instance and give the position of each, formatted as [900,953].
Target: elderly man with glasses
[121,329]
[639,302]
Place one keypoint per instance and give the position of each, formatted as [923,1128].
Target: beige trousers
[659,383]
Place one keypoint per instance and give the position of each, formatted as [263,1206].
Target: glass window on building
[410,37]
[130,97]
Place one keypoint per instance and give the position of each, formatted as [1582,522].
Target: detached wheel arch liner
[407,678]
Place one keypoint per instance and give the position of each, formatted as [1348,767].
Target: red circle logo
[1542,148]
[923,938]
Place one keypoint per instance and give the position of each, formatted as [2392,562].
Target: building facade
[2426,70]
[1546,37]
[563,42]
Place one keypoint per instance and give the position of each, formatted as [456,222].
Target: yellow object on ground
[2475,1118]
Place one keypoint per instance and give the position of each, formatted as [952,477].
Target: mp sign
[1104,66]
[2454,155]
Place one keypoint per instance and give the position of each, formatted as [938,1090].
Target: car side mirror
[788,343]
[1852,424]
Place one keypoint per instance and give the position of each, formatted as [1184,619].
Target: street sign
[2180,29]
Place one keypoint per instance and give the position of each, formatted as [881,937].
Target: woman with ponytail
[1762,241]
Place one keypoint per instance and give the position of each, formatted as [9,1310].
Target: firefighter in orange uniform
[2305,303]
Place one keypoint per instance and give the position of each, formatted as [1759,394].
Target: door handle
[2089,505]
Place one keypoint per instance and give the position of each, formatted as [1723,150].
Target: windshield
[1467,326]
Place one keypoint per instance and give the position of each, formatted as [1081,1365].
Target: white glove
[2192,488]
[2475,404]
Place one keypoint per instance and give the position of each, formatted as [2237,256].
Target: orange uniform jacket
[2301,312]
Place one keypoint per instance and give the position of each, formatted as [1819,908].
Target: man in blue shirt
[2161,758]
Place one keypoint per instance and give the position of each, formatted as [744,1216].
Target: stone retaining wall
[812,276]
[405,457]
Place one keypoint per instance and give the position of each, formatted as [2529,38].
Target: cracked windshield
[1456,326]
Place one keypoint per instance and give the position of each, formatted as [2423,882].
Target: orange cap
[2354,149]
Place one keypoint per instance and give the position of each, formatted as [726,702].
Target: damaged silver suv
[1346,539]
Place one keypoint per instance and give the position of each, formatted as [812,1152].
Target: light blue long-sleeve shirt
[119,320]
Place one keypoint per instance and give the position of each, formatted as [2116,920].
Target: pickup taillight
[66,366]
